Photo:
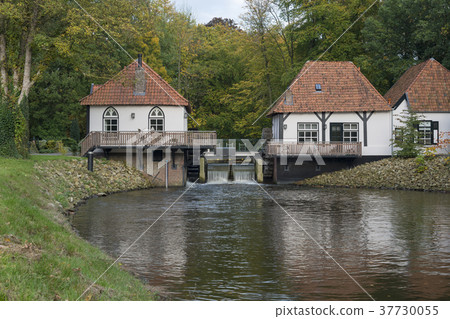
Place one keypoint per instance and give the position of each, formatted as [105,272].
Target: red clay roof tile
[344,89]
[120,90]
[427,85]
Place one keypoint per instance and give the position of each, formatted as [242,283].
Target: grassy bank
[393,173]
[41,258]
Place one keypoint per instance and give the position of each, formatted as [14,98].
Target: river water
[233,242]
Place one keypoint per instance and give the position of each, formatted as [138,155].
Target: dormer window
[318,88]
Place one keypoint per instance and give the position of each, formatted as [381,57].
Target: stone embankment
[429,174]
[71,182]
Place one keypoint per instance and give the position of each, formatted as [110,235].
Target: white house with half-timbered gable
[330,109]
[424,89]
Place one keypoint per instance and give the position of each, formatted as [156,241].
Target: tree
[403,33]
[223,22]
[75,130]
[219,62]
[25,36]
[54,100]
[406,140]
[258,20]
[7,144]
[83,53]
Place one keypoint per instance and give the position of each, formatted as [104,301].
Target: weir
[225,165]
[218,173]
[221,173]
[243,173]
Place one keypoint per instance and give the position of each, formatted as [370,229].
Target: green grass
[41,258]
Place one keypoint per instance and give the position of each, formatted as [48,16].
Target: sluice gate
[220,173]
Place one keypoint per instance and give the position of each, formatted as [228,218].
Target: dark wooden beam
[323,118]
[88,114]
[364,118]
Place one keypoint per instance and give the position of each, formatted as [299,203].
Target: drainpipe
[392,132]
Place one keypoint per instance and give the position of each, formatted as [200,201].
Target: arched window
[156,119]
[110,120]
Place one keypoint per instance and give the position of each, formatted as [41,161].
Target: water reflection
[233,242]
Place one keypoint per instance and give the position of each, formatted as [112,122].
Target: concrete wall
[442,118]
[291,172]
[379,128]
[174,118]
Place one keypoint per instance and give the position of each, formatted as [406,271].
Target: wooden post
[275,173]
[202,176]
[167,173]
[91,161]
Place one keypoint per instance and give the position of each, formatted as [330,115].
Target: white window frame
[350,132]
[307,132]
[425,132]
[156,119]
[111,120]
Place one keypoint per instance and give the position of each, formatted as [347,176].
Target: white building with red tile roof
[333,103]
[424,89]
[332,110]
[136,99]
[139,118]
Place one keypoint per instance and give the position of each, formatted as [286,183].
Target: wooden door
[336,132]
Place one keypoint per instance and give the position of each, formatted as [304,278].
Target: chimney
[140,81]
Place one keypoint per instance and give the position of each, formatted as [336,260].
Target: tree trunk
[27,83]
[3,72]
[266,67]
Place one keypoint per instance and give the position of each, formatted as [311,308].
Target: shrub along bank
[424,174]
[41,258]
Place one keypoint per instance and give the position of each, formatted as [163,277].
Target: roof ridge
[404,82]
[154,81]
[425,63]
[362,96]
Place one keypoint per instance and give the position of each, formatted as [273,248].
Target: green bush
[407,135]
[72,145]
[75,130]
[421,164]
[68,142]
[7,144]
[60,148]
[51,145]
[21,129]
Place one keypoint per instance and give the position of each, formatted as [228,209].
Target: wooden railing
[152,138]
[334,149]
